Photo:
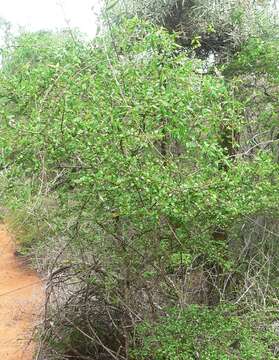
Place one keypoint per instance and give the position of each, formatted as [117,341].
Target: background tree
[209,26]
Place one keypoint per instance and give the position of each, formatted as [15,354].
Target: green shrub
[208,334]
[139,152]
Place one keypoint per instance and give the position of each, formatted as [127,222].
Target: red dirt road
[21,294]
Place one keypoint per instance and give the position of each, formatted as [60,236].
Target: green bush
[219,333]
[143,160]
[128,131]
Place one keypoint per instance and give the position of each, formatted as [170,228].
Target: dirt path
[21,295]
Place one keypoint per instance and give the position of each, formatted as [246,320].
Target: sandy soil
[21,294]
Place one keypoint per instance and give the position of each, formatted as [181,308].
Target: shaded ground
[21,294]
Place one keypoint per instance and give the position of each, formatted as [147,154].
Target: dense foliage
[199,333]
[210,26]
[142,179]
